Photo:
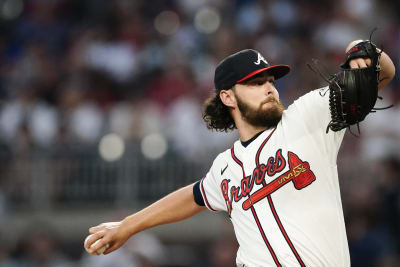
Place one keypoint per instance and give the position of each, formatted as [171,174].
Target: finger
[111,248]
[101,243]
[368,61]
[361,63]
[89,241]
[97,228]
[93,238]
[353,64]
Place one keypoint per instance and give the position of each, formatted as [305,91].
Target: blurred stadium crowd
[75,71]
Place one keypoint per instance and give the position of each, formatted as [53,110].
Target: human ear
[228,98]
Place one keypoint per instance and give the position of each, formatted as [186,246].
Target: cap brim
[278,71]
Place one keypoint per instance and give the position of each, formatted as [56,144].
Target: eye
[260,83]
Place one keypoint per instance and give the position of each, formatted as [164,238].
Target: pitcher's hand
[357,63]
[114,234]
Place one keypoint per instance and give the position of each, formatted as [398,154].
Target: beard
[261,116]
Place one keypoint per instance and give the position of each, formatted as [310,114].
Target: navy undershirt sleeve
[198,198]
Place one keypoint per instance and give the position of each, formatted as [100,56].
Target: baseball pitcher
[279,182]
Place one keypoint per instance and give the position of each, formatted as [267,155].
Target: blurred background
[100,115]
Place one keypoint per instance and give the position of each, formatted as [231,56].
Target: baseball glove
[352,92]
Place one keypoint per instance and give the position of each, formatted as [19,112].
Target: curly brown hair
[217,115]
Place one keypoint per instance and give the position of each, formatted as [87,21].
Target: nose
[269,88]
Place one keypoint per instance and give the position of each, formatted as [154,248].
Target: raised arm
[176,206]
[387,67]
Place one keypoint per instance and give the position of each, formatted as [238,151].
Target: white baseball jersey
[282,191]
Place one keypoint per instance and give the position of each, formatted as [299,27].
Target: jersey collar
[246,143]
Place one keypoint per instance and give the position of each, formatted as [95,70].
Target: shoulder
[222,158]
[317,97]
[314,95]
[309,112]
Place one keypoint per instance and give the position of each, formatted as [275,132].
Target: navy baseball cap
[243,65]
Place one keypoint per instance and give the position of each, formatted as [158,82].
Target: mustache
[269,99]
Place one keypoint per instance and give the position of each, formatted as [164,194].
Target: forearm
[387,70]
[176,206]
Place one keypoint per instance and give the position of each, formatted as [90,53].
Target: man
[278,183]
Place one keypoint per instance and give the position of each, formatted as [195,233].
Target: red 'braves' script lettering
[274,165]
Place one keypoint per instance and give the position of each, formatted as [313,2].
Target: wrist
[130,225]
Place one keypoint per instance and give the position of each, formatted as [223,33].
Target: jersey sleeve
[313,108]
[211,191]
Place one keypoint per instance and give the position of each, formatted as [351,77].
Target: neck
[247,131]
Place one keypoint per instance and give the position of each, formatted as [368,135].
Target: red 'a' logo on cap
[259,59]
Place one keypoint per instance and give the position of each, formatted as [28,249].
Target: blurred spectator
[39,247]
[86,122]
[369,244]
[5,252]
[188,133]
[137,119]
[148,249]
[114,57]
[381,138]
[388,171]
[223,252]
